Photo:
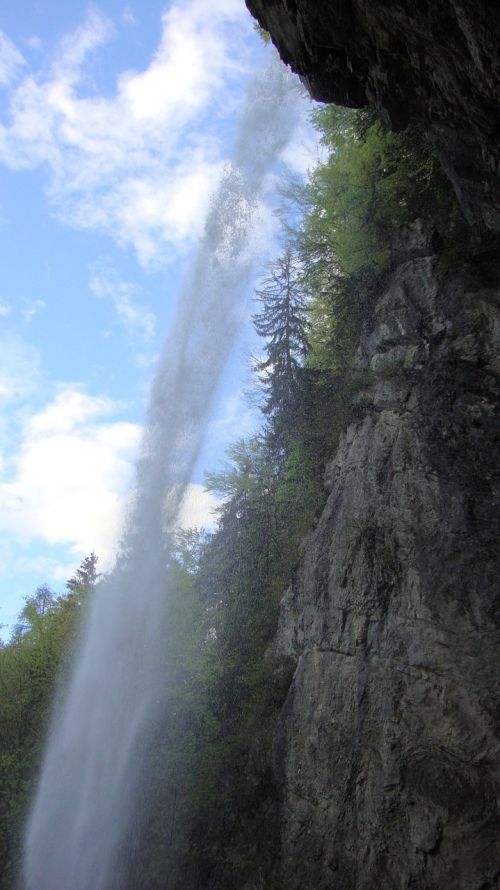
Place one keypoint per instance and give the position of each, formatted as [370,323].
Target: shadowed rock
[433,64]
[387,750]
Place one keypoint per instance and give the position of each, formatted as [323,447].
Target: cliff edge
[432,64]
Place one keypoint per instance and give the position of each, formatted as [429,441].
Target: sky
[116,122]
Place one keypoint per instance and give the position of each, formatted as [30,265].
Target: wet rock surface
[387,751]
[433,64]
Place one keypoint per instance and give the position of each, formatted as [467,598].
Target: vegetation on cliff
[37,655]
[207,812]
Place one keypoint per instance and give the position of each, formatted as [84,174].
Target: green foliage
[372,183]
[263,34]
[282,323]
[214,750]
[208,810]
[84,582]
[30,665]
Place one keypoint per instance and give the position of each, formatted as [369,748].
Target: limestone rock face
[387,750]
[431,63]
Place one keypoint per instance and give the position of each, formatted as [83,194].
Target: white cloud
[70,483]
[11,60]
[71,475]
[197,508]
[133,165]
[304,151]
[146,359]
[4,307]
[20,369]
[72,408]
[75,48]
[33,309]
[128,16]
[47,568]
[236,418]
[137,319]
[34,42]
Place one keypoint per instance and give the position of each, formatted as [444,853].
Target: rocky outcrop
[436,64]
[387,751]
[388,747]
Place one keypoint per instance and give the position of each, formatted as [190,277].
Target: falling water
[84,803]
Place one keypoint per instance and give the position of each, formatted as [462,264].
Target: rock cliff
[436,64]
[387,751]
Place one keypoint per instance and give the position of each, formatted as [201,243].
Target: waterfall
[83,807]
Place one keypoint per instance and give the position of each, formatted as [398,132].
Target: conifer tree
[83,582]
[282,323]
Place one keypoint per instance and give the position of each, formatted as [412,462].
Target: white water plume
[83,808]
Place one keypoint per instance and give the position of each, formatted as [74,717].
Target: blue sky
[115,124]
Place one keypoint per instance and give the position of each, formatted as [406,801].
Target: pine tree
[85,578]
[282,323]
